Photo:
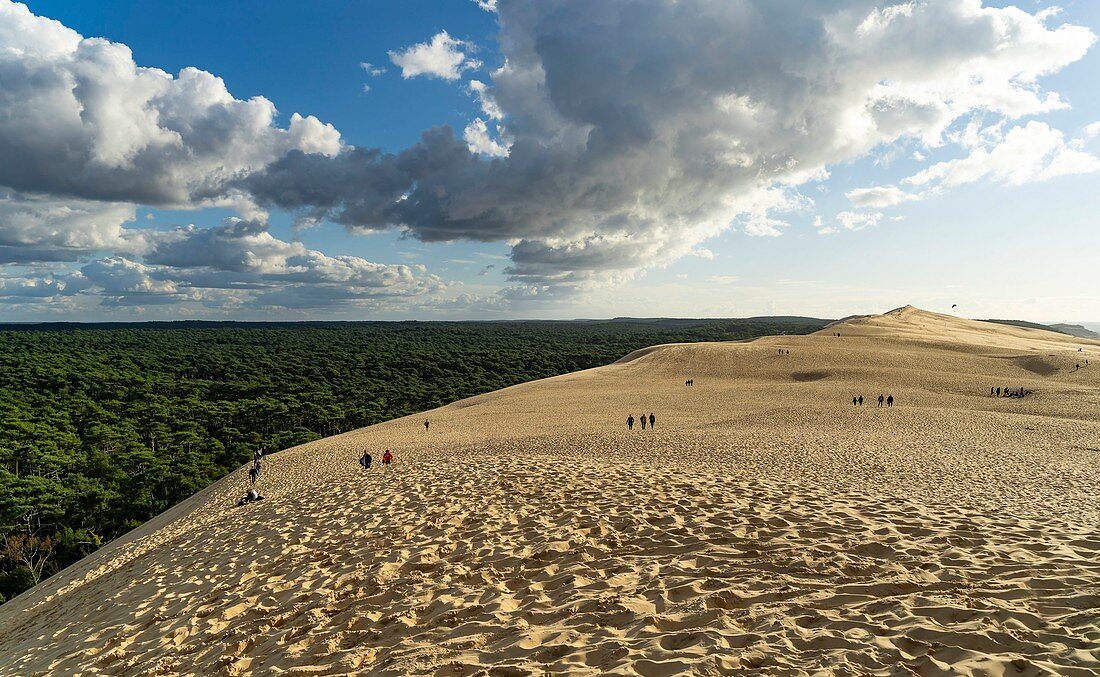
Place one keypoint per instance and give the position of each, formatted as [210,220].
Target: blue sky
[635,226]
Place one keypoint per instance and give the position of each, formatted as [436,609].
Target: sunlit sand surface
[765,525]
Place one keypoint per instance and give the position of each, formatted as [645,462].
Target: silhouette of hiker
[426,424]
[365,460]
[643,421]
[990,390]
[880,399]
[861,400]
[998,391]
[253,473]
[853,401]
[652,420]
[788,352]
[630,422]
[890,401]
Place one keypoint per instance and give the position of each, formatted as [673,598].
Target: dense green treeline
[101,428]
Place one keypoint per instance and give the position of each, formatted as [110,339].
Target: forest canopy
[104,426]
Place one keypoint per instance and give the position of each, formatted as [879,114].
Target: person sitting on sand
[652,420]
[890,401]
[387,458]
[630,422]
[251,496]
[365,460]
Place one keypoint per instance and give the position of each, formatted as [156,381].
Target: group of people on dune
[652,420]
[887,400]
[387,458]
[253,475]
[997,391]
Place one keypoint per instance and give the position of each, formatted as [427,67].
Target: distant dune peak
[905,310]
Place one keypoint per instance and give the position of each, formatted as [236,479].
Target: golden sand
[765,525]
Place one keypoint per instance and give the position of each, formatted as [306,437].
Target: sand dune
[765,525]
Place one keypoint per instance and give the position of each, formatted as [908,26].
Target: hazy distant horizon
[1092,325]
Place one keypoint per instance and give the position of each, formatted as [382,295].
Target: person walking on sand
[643,421]
[365,460]
[861,400]
[253,473]
[853,401]
[991,391]
[630,422]
[387,458]
[880,400]
[890,401]
[652,420]
[426,424]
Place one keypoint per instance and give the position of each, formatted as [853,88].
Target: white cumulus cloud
[442,57]
[1029,153]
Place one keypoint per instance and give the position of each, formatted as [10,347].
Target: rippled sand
[765,525]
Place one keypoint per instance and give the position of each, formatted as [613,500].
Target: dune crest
[765,524]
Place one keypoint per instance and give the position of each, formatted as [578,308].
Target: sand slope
[766,525]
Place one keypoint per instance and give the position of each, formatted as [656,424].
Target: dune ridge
[764,525]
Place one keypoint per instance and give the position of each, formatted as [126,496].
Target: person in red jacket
[387,458]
